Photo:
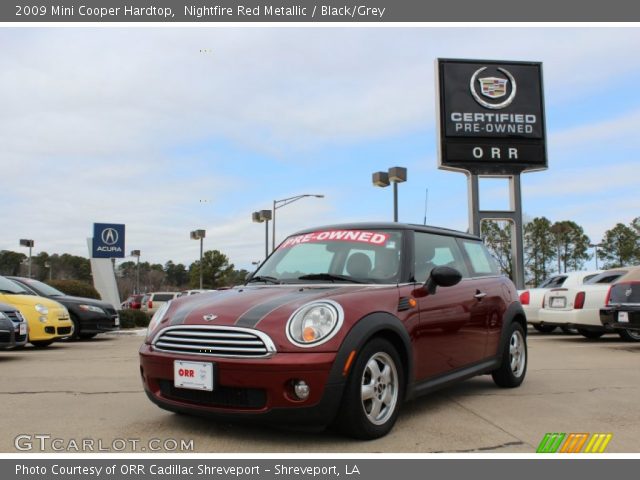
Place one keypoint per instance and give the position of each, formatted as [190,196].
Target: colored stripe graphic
[550,443]
[574,443]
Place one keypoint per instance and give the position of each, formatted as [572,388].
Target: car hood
[67,299]
[267,308]
[29,300]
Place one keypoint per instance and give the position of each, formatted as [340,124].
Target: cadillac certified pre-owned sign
[108,240]
[491,116]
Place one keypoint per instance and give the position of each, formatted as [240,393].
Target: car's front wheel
[374,392]
[630,335]
[513,366]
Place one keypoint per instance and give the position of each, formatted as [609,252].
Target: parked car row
[151,302]
[40,314]
[589,302]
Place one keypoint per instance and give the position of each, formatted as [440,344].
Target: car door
[449,335]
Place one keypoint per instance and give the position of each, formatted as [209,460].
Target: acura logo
[493,88]
[109,236]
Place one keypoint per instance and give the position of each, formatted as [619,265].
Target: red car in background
[340,325]
[134,302]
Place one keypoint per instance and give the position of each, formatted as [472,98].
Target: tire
[41,343]
[513,367]
[544,328]
[86,336]
[376,384]
[76,328]
[590,334]
[630,335]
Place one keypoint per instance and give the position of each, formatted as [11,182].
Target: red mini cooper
[341,325]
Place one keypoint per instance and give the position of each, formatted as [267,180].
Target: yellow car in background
[47,320]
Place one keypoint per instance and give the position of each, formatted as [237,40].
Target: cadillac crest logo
[493,88]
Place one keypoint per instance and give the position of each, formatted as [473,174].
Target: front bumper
[609,318]
[588,318]
[256,389]
[58,325]
[96,323]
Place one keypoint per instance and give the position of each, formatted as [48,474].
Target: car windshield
[353,256]
[11,287]
[43,288]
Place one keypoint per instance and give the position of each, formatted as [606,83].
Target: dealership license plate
[558,302]
[623,317]
[23,329]
[193,375]
[116,321]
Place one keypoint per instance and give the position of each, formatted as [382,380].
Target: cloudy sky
[171,129]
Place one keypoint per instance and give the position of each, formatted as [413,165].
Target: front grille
[15,317]
[64,330]
[5,337]
[220,397]
[50,330]
[215,340]
[20,338]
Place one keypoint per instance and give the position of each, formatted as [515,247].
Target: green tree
[216,270]
[539,249]
[574,244]
[620,246]
[10,262]
[237,277]
[176,274]
[497,238]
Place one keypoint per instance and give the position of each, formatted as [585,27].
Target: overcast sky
[171,129]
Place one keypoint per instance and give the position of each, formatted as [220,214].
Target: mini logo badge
[109,236]
[493,88]
[210,317]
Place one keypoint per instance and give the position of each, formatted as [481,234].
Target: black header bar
[374,11]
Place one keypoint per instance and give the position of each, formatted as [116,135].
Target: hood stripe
[183,312]
[254,315]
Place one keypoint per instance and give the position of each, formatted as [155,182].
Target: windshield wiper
[330,276]
[264,278]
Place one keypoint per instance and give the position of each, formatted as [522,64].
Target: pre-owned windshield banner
[370,11]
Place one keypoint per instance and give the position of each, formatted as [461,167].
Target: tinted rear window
[163,297]
[625,293]
[553,282]
[605,277]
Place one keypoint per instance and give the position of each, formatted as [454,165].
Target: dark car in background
[13,327]
[89,316]
[622,310]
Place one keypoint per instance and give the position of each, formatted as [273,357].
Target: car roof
[390,226]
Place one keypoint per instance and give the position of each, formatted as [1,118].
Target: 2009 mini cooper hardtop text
[341,324]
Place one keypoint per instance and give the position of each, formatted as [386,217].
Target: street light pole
[259,217]
[595,246]
[283,203]
[28,243]
[136,253]
[395,175]
[199,235]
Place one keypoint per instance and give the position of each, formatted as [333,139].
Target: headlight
[3,316]
[41,309]
[315,323]
[157,317]
[91,308]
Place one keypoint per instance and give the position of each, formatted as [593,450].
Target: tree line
[216,268]
[562,246]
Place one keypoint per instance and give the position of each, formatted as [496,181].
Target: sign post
[107,244]
[492,124]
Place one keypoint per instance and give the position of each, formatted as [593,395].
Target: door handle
[480,295]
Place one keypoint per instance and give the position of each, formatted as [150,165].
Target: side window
[432,251]
[482,263]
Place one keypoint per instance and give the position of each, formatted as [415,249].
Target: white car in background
[579,307]
[531,299]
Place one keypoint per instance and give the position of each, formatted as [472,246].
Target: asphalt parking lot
[91,390]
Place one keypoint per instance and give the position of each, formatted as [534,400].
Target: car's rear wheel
[374,392]
[630,335]
[513,366]
[590,334]
[41,343]
[544,328]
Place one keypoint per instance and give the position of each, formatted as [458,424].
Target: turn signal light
[608,299]
[150,304]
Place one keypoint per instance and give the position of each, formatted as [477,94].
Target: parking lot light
[199,235]
[394,175]
[28,243]
[260,217]
[283,203]
[136,253]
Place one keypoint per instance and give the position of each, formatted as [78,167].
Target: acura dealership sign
[491,116]
[108,240]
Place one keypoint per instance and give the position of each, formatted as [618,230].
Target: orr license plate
[623,317]
[558,302]
[193,375]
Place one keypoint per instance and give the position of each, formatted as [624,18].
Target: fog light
[301,389]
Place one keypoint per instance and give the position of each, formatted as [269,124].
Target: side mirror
[442,277]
